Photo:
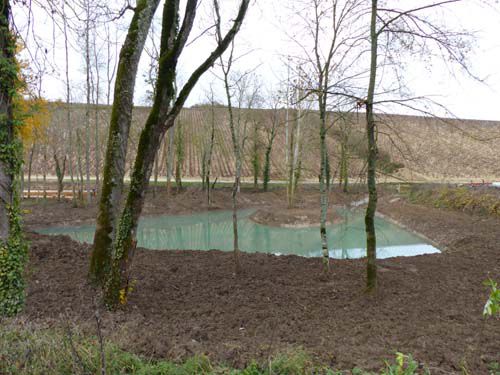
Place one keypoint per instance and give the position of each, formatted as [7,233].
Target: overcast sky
[265,40]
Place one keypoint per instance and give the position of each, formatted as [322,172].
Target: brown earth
[293,218]
[188,302]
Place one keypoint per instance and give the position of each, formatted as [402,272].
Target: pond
[213,230]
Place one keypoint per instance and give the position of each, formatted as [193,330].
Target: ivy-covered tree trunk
[7,87]
[266,178]
[161,117]
[119,127]
[371,239]
[13,248]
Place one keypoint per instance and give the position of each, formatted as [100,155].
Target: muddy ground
[188,302]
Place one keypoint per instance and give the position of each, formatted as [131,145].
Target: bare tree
[238,86]
[119,128]
[208,144]
[294,128]
[180,147]
[68,107]
[95,88]
[371,238]
[161,117]
[403,30]
[87,30]
[274,121]
[226,69]
[241,94]
[334,34]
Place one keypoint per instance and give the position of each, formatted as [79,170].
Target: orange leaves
[35,116]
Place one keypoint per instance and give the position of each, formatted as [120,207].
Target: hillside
[428,148]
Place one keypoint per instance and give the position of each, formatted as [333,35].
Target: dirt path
[188,302]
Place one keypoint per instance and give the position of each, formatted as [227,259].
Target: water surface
[213,230]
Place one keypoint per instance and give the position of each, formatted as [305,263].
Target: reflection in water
[213,230]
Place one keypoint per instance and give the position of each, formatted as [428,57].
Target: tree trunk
[295,164]
[7,87]
[344,167]
[30,168]
[267,167]
[291,169]
[210,154]
[237,169]
[68,108]
[13,248]
[44,171]
[87,107]
[203,166]
[97,147]
[255,157]
[371,239]
[96,122]
[323,182]
[160,119]
[125,241]
[179,155]
[70,156]
[60,171]
[236,246]
[80,166]
[170,158]
[119,127]
[156,174]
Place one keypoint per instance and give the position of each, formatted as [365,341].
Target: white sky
[264,38]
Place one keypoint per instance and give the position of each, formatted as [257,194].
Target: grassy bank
[474,201]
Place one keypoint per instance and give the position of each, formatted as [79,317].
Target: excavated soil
[187,302]
[293,218]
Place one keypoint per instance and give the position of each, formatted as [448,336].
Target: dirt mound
[293,218]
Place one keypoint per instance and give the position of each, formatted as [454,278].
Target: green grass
[25,349]
[457,198]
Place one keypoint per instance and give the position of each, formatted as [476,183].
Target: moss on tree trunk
[115,158]
[161,117]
